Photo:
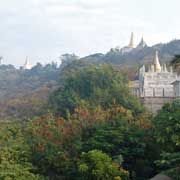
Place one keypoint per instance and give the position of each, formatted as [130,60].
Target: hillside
[24,92]
[137,56]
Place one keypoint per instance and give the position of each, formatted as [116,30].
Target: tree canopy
[94,86]
[167,132]
[90,128]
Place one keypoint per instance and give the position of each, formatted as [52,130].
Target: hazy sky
[45,29]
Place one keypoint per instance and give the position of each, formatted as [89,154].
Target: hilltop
[143,55]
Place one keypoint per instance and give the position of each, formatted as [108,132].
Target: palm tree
[176,63]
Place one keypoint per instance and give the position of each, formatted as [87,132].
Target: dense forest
[81,122]
[23,93]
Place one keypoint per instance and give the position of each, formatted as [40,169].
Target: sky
[45,29]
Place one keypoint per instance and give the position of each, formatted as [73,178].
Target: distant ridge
[137,55]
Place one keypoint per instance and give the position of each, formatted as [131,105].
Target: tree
[67,59]
[15,171]
[167,126]
[167,131]
[98,165]
[15,155]
[136,146]
[94,86]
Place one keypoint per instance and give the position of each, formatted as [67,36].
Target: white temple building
[156,85]
[157,81]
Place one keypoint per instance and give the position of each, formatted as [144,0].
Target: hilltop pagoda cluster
[131,46]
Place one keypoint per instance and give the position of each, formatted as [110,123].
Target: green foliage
[104,129]
[15,171]
[121,139]
[15,155]
[94,86]
[56,143]
[169,164]
[98,165]
[167,125]
[167,131]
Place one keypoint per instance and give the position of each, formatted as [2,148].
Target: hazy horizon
[45,29]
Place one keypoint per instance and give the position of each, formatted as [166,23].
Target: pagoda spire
[27,65]
[131,43]
[141,44]
[157,66]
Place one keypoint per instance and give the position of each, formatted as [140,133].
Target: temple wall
[166,91]
[154,104]
[177,89]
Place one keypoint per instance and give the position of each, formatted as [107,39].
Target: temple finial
[157,66]
[131,43]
